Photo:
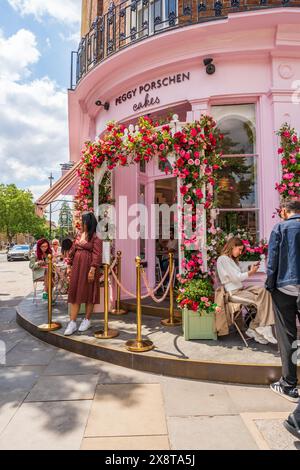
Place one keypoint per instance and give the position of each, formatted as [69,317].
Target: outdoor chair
[236,305]
[35,286]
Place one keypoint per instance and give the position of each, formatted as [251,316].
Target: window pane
[238,183]
[237,123]
[233,220]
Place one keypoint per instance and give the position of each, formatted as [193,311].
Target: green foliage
[17,213]
[197,295]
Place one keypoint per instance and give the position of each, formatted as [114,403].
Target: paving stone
[276,436]
[186,397]
[9,404]
[40,426]
[209,433]
[247,399]
[126,443]
[112,374]
[127,410]
[11,335]
[30,351]
[67,363]
[63,388]
[18,379]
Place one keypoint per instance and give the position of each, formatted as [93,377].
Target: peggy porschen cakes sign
[145,95]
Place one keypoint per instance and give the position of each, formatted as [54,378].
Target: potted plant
[195,299]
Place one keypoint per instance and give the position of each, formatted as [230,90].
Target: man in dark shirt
[283,281]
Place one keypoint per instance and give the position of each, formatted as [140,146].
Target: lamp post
[51,178]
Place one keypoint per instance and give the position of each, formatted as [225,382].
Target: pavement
[54,399]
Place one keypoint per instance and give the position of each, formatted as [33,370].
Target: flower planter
[198,326]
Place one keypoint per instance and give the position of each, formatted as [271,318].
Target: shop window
[237,199]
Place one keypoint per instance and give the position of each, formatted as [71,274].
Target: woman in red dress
[85,258]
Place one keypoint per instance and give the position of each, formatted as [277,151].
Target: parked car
[21,252]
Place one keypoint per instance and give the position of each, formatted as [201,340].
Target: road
[15,281]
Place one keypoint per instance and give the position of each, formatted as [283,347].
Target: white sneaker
[257,337]
[266,332]
[71,328]
[85,325]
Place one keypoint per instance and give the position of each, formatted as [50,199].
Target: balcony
[132,21]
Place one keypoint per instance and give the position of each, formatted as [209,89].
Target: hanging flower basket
[198,325]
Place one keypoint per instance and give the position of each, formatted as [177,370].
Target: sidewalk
[54,399]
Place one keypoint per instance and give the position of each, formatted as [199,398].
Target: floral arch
[197,163]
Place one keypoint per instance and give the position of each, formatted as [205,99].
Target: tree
[17,213]
[65,220]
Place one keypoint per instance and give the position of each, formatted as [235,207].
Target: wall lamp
[105,105]
[210,67]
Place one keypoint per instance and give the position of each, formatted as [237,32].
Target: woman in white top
[232,277]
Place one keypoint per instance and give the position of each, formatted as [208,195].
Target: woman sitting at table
[56,251]
[38,264]
[61,266]
[232,277]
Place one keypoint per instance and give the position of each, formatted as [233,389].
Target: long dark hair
[39,252]
[66,246]
[90,221]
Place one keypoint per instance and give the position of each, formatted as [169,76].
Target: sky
[36,40]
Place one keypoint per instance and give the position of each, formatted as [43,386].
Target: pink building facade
[254,89]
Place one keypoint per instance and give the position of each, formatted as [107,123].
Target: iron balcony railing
[134,20]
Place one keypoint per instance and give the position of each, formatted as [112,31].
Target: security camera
[105,105]
[210,67]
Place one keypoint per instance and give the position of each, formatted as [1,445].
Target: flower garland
[289,187]
[197,161]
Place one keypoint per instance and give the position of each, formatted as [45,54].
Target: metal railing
[135,20]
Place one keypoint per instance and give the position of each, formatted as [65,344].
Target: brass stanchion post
[50,326]
[106,333]
[138,344]
[171,321]
[118,310]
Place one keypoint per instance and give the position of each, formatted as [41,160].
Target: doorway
[166,199]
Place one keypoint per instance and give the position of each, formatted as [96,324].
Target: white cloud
[17,53]
[72,37]
[33,118]
[64,11]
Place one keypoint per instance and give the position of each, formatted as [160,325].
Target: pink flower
[184,190]
[197,162]
[191,162]
[199,193]
[204,299]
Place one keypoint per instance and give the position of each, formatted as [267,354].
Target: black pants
[297,413]
[286,312]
